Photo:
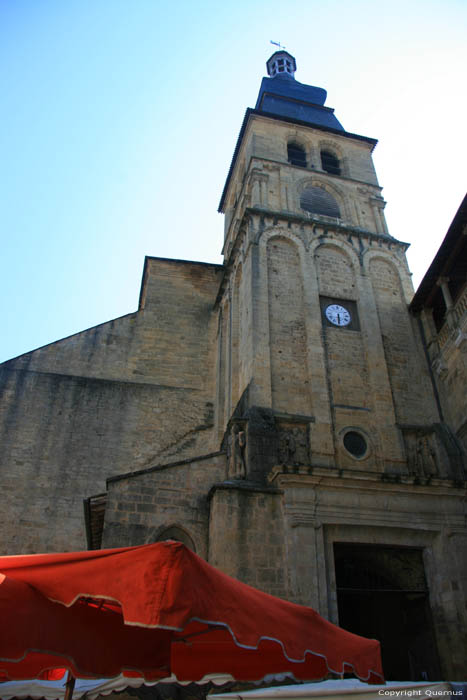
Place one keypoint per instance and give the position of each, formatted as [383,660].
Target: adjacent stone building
[278,413]
[441,305]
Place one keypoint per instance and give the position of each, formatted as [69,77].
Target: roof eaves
[234,158]
[442,257]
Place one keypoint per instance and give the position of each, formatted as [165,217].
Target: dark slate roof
[286,97]
[452,252]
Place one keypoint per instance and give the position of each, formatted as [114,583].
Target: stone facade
[304,453]
[112,399]
[441,306]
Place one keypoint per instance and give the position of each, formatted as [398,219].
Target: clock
[338,315]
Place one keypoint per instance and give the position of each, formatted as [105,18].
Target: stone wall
[128,394]
[246,536]
[448,355]
[407,366]
[143,505]
[62,436]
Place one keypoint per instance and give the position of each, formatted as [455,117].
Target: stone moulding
[327,223]
[374,481]
[241,485]
[160,467]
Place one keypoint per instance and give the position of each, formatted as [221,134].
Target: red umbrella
[159,611]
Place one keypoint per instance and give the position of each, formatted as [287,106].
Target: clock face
[338,315]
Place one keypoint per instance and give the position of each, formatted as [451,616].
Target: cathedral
[295,415]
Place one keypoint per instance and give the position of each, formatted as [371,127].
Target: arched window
[330,163]
[296,155]
[318,201]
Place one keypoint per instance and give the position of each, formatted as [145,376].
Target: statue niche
[432,452]
[293,444]
[236,445]
[422,459]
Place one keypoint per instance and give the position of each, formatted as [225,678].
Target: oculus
[355,443]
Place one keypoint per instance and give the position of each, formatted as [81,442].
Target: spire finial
[278,44]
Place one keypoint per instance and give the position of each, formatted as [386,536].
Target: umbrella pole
[69,686]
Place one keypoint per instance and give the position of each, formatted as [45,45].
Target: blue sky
[120,119]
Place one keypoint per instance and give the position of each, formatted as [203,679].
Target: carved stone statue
[428,455]
[412,455]
[287,447]
[302,452]
[236,453]
[422,457]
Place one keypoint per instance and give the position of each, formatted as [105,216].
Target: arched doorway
[177,533]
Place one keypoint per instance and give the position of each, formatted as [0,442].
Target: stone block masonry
[125,395]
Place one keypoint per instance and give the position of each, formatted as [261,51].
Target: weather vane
[277,43]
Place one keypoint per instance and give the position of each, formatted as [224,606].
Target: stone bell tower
[341,474]
[315,329]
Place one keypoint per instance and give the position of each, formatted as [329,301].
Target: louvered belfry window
[296,155]
[330,163]
[318,201]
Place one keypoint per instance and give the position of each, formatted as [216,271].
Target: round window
[355,443]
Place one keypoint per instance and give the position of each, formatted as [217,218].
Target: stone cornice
[331,477]
[245,486]
[325,223]
[162,467]
[320,226]
[319,515]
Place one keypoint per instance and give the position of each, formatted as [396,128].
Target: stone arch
[339,243]
[317,201]
[294,136]
[336,271]
[379,259]
[336,149]
[279,232]
[330,188]
[370,255]
[175,532]
[332,146]
[404,364]
[296,154]
[280,236]
[287,326]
